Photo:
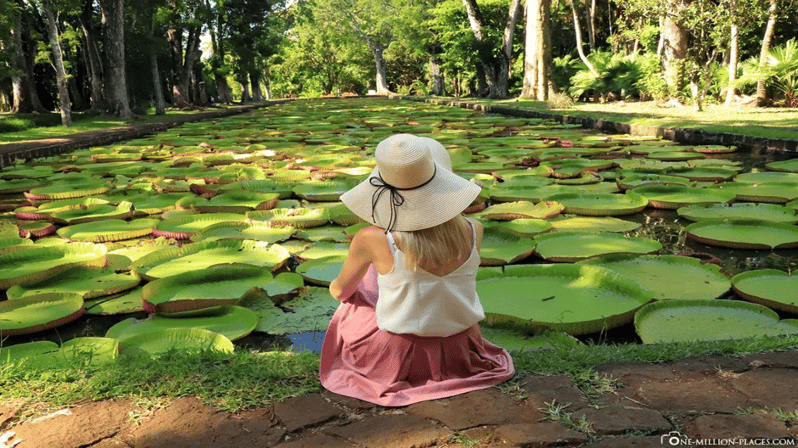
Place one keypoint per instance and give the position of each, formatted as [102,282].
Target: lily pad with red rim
[744,234]
[234,322]
[39,312]
[675,197]
[773,288]
[181,339]
[575,246]
[34,263]
[743,210]
[597,204]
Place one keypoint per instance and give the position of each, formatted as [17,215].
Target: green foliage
[563,69]
[618,76]
[780,72]
[652,81]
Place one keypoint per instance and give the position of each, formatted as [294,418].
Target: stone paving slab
[770,388]
[735,427]
[478,408]
[392,431]
[540,434]
[309,410]
[618,419]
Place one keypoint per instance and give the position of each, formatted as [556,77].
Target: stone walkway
[703,401]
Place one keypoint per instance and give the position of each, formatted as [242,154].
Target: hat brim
[443,198]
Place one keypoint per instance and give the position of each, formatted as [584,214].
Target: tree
[494,64]
[58,63]
[537,51]
[95,68]
[767,40]
[184,32]
[22,49]
[113,18]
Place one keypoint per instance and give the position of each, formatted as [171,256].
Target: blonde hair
[435,245]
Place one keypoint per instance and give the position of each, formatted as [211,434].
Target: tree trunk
[674,46]
[438,82]
[377,50]
[734,47]
[97,98]
[578,34]
[113,18]
[537,51]
[25,100]
[761,89]
[590,10]
[181,94]
[58,63]
[495,65]
[254,81]
[157,88]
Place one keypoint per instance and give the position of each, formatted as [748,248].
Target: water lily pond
[225,234]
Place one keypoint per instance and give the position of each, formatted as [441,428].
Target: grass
[16,128]
[246,379]
[746,120]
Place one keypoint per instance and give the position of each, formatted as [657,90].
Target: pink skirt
[359,360]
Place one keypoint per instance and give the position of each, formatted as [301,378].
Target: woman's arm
[357,263]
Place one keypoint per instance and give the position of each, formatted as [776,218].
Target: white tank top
[424,304]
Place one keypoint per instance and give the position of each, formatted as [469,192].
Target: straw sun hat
[410,189]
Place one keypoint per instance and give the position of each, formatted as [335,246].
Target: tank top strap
[391,242]
[473,233]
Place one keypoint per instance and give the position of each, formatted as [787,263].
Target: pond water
[664,226]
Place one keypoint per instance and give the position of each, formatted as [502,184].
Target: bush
[617,76]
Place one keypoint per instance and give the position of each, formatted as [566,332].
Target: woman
[415,336]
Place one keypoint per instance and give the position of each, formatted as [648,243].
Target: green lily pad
[36,262]
[283,285]
[67,188]
[764,212]
[197,256]
[126,302]
[675,197]
[182,339]
[600,204]
[324,191]
[196,290]
[707,320]
[154,204]
[232,202]
[783,165]
[36,229]
[88,282]
[593,223]
[777,192]
[766,177]
[523,227]
[323,249]
[713,149]
[40,312]
[283,189]
[303,218]
[17,352]
[523,209]
[234,322]
[704,173]
[576,246]
[108,230]
[257,231]
[311,310]
[744,234]
[674,155]
[650,180]
[512,340]
[321,271]
[46,209]
[775,289]
[183,227]
[500,247]
[341,215]
[669,277]
[93,213]
[574,299]
[21,185]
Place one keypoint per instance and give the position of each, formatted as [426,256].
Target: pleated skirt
[359,360]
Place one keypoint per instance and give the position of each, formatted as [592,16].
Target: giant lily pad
[593,223]
[575,299]
[92,213]
[767,177]
[521,209]
[650,180]
[40,312]
[183,227]
[299,218]
[195,290]
[500,247]
[153,204]
[197,256]
[17,352]
[575,246]
[513,340]
[783,165]
[669,276]
[675,197]
[522,227]
[234,322]
[777,192]
[598,204]
[108,230]
[232,202]
[744,234]
[88,282]
[243,231]
[126,302]
[36,262]
[325,191]
[321,271]
[764,212]
[707,320]
[181,339]
[704,173]
[71,187]
[775,289]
